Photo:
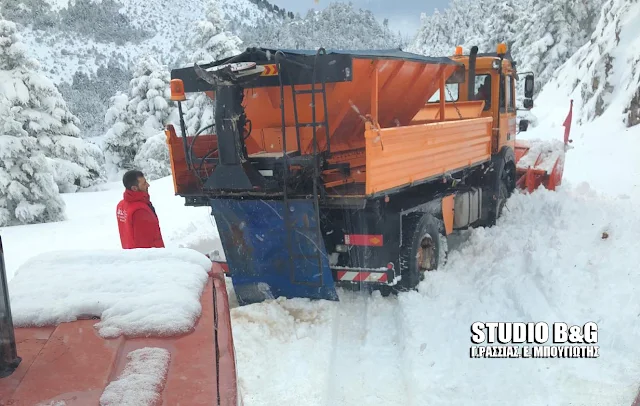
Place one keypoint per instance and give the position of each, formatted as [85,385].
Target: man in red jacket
[137,220]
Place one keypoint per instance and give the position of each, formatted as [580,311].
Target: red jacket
[137,221]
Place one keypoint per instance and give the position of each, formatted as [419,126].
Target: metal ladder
[304,234]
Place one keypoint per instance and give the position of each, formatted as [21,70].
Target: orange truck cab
[70,363]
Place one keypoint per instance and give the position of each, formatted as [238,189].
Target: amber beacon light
[177,90]
[501,49]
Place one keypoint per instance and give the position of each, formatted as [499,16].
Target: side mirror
[523,125]
[528,86]
[528,104]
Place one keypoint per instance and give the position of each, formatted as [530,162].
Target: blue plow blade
[266,258]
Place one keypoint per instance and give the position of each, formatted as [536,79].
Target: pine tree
[338,26]
[603,75]
[210,42]
[39,107]
[540,35]
[153,157]
[124,137]
[28,191]
[141,114]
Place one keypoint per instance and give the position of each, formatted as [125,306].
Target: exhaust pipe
[9,359]
[471,85]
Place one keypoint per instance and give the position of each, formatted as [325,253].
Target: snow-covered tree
[125,136]
[28,191]
[144,112]
[153,157]
[42,112]
[603,76]
[211,41]
[338,26]
[540,35]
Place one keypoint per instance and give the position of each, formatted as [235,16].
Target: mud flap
[266,258]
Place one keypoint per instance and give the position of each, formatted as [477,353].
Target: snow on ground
[92,225]
[546,261]
[603,153]
[134,292]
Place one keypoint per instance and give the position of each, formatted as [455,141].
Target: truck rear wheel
[421,249]
[503,184]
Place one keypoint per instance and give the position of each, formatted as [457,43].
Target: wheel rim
[425,258]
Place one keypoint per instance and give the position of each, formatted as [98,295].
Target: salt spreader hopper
[345,167]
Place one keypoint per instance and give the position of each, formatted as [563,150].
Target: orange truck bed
[387,91]
[400,156]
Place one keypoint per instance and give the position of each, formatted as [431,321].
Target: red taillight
[369,240]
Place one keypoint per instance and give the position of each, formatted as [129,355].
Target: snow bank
[547,260]
[603,152]
[142,380]
[92,225]
[134,292]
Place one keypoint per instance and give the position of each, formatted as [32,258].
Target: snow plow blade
[539,163]
[542,162]
[272,253]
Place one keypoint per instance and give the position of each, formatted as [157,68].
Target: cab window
[512,106]
[483,90]
[506,102]
[451,93]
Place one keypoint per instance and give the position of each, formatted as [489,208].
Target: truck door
[507,111]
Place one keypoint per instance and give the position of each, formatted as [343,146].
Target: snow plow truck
[351,168]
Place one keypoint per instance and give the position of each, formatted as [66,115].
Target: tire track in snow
[367,356]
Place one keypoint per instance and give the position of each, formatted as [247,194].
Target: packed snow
[146,292]
[548,259]
[565,256]
[142,380]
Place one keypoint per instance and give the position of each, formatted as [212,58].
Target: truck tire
[421,249]
[503,183]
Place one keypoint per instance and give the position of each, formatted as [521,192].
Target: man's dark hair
[130,179]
